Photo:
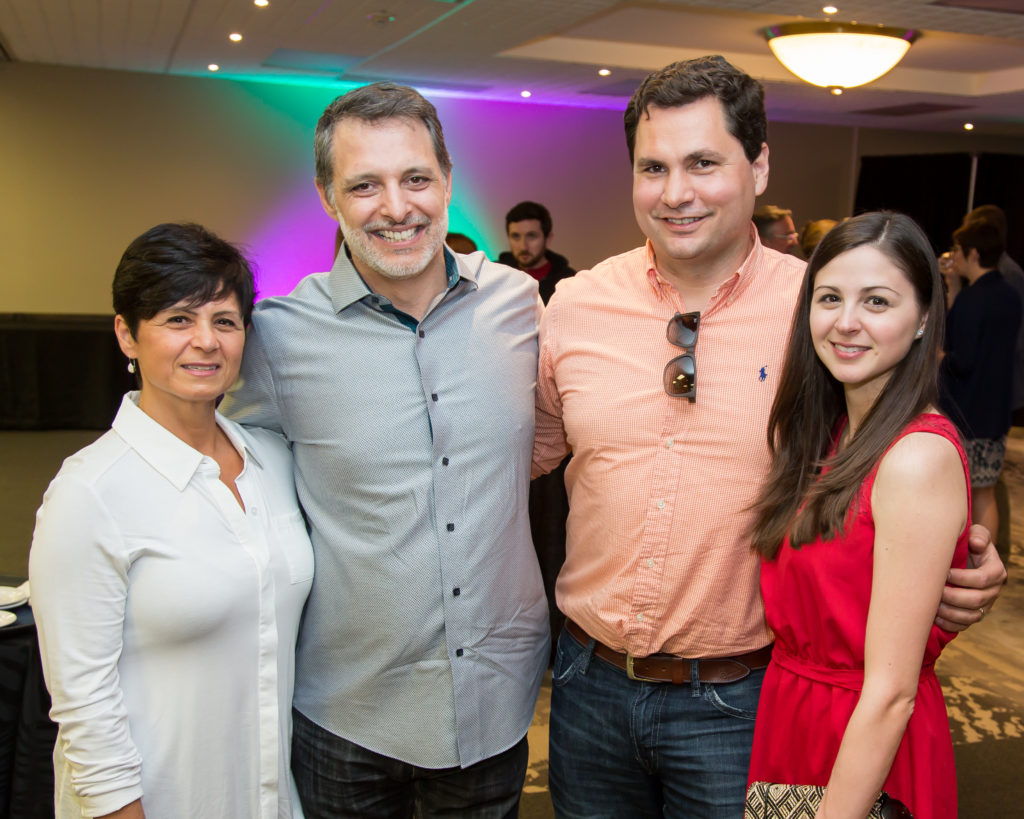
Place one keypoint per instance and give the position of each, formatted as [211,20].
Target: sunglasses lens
[682,330]
[680,376]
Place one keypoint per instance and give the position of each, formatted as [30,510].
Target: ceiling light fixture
[213,67]
[261,3]
[839,55]
[604,72]
[235,37]
[968,126]
[525,94]
[830,9]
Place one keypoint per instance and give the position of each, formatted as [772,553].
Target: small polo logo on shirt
[763,374]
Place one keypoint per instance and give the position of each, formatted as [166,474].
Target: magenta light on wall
[497,155]
[292,241]
[297,238]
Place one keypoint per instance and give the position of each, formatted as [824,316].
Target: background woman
[170,564]
[868,497]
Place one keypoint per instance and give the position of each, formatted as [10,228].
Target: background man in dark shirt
[528,226]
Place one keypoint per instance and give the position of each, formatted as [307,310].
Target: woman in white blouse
[170,564]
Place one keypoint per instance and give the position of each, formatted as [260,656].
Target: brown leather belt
[672,669]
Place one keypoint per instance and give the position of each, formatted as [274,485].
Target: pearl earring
[131,366]
[920,331]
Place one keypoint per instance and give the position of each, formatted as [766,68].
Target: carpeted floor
[982,675]
[982,672]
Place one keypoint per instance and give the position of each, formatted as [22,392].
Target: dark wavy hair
[797,499]
[173,263]
[681,83]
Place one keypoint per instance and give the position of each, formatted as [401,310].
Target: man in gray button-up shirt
[404,381]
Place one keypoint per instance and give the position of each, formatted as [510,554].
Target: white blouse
[167,619]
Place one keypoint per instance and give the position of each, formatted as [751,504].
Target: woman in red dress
[864,512]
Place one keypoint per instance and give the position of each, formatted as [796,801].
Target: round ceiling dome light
[840,55]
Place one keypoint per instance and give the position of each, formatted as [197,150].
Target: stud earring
[920,331]
[131,366]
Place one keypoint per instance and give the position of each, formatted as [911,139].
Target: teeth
[202,367]
[397,235]
[847,349]
[689,220]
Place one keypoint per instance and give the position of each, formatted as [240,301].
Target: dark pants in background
[549,509]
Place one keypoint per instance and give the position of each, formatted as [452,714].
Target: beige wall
[810,170]
[92,158]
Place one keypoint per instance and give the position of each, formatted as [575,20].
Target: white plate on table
[13,596]
[7,617]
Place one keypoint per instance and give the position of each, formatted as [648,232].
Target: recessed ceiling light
[261,3]
[604,72]
[525,94]
[830,10]
[968,126]
[837,91]
[213,67]
[235,37]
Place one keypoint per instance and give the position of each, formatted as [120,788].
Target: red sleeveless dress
[816,601]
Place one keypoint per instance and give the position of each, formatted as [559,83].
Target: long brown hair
[796,498]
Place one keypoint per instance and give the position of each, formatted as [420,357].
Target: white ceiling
[969,58]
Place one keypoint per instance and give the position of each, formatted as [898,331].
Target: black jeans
[337,778]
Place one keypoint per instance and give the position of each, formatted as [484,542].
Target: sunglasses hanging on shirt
[681,371]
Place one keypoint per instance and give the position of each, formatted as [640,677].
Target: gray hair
[373,103]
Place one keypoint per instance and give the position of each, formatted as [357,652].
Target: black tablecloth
[27,735]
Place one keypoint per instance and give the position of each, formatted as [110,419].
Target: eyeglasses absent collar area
[681,371]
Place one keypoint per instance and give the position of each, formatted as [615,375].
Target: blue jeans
[336,778]
[625,748]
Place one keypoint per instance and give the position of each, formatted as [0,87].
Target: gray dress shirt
[425,636]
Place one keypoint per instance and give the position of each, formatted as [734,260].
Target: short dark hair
[682,83]
[989,213]
[529,210]
[984,236]
[373,103]
[173,263]
[767,215]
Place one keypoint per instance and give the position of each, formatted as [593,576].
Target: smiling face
[864,317]
[390,197]
[694,189]
[187,355]
[527,242]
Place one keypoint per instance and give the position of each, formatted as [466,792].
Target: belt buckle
[632,675]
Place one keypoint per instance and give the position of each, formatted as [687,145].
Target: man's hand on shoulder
[970,592]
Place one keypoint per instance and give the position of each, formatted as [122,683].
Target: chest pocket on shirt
[288,534]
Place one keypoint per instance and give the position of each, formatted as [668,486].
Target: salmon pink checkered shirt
[656,558]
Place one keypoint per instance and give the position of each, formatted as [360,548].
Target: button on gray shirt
[426,632]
